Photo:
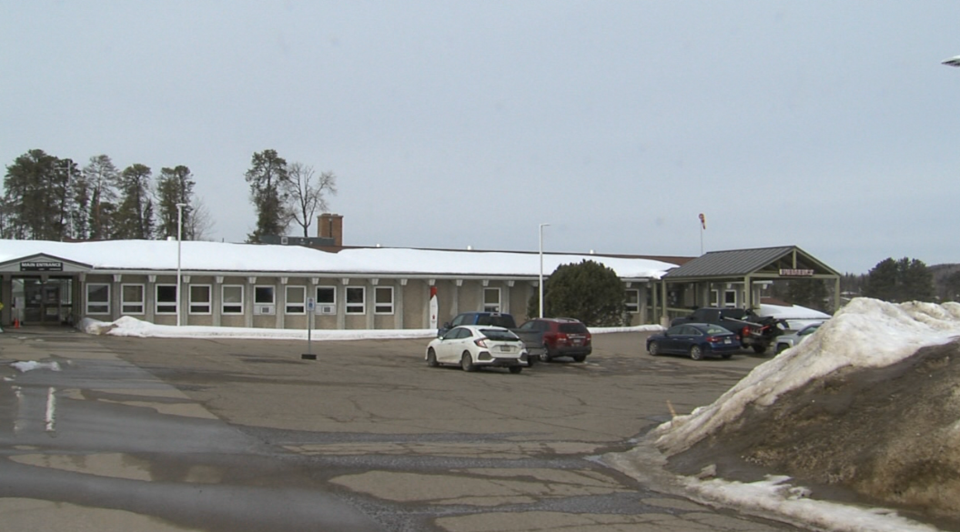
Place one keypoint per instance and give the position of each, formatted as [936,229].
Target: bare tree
[307,193]
[199,224]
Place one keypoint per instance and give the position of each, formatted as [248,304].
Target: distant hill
[940,273]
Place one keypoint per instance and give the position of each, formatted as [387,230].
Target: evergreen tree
[102,180]
[61,200]
[135,213]
[79,222]
[268,191]
[916,281]
[882,281]
[899,281]
[36,189]
[588,291]
[952,287]
[4,224]
[175,185]
[810,293]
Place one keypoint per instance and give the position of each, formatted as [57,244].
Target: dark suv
[557,337]
[480,318]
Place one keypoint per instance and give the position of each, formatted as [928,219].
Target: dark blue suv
[479,318]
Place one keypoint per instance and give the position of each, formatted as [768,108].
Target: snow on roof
[797,317]
[865,333]
[198,256]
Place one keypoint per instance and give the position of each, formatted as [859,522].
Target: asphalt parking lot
[246,435]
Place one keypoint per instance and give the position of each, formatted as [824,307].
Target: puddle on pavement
[103,433]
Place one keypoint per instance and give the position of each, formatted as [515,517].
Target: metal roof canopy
[758,263]
[748,265]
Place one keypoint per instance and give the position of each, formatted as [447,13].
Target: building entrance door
[43,302]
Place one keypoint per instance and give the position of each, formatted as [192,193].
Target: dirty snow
[866,333]
[31,365]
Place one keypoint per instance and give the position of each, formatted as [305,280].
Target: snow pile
[868,405]
[775,495]
[865,333]
[129,326]
[30,365]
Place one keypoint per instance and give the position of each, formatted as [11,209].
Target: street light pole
[541,268]
[180,207]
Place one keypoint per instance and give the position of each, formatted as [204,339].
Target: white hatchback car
[476,346]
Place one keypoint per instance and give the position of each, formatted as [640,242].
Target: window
[491,300]
[131,299]
[326,295]
[383,300]
[98,299]
[730,298]
[356,299]
[232,299]
[714,298]
[200,300]
[263,295]
[633,300]
[166,299]
[296,300]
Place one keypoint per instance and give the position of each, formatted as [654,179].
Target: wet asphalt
[247,436]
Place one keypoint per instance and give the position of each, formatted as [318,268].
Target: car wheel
[432,358]
[696,353]
[545,354]
[466,362]
[781,348]
[579,358]
[653,348]
[759,349]
[515,369]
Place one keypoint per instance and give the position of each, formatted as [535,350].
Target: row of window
[133,299]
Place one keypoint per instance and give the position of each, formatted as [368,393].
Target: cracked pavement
[161,434]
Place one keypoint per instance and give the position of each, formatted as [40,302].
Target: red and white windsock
[703,221]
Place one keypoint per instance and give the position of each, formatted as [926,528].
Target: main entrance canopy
[736,278]
[40,289]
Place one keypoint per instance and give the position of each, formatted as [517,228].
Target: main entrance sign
[41,266]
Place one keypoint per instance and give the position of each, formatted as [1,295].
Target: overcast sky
[828,125]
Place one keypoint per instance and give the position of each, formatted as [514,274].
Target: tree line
[896,281]
[51,198]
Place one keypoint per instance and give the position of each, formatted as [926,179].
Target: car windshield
[499,335]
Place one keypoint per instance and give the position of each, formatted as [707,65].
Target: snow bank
[776,495]
[865,333]
[128,326]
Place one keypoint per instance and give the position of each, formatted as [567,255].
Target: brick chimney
[331,226]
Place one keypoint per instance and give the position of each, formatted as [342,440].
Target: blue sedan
[694,339]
